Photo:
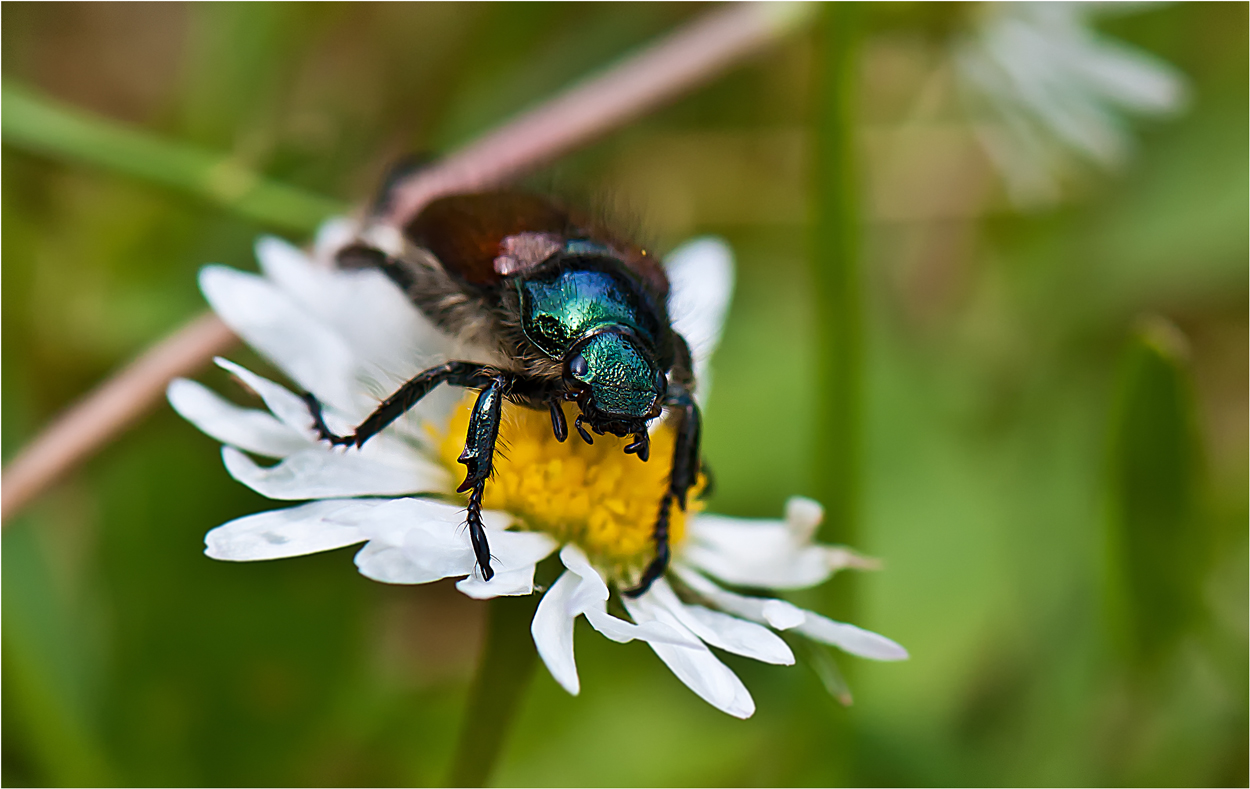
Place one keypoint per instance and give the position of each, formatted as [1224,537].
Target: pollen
[594,496]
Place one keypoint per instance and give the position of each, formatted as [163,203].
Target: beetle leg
[682,477]
[582,431]
[641,446]
[478,458]
[479,448]
[558,425]
[395,406]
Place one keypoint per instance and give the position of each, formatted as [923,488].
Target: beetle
[567,311]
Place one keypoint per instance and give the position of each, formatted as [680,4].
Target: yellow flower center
[595,496]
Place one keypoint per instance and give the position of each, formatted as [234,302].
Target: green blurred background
[1053,429]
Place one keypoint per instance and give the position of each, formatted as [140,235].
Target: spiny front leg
[478,458]
[395,406]
[682,477]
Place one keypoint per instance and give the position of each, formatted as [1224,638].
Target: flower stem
[503,672]
[836,279]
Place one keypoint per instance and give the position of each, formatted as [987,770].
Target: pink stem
[109,409]
[688,57]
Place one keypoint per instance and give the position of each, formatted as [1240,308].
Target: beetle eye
[578,366]
[661,381]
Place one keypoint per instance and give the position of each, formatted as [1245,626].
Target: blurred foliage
[1036,471]
[1159,537]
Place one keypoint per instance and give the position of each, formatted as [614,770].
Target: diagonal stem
[503,673]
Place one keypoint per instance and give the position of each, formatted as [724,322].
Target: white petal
[778,614]
[414,541]
[590,599]
[514,555]
[389,337]
[592,588]
[246,428]
[757,553]
[515,549]
[803,516]
[419,540]
[701,276]
[739,636]
[850,638]
[697,667]
[282,402]
[724,631]
[552,629]
[309,528]
[321,473]
[333,234]
[782,615]
[622,632]
[504,583]
[389,564]
[764,553]
[392,523]
[271,322]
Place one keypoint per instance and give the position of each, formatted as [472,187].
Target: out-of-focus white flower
[352,337]
[1046,89]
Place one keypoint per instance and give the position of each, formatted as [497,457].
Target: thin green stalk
[37,124]
[503,673]
[836,278]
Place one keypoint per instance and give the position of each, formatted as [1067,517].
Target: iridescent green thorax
[563,305]
[586,309]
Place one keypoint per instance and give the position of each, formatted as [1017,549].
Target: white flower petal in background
[297,531]
[701,279]
[246,428]
[1044,88]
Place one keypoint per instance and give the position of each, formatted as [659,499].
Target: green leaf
[1159,540]
[39,125]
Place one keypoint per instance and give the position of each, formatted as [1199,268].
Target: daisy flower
[1048,89]
[351,337]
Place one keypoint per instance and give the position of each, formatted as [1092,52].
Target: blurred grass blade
[1158,537]
[45,674]
[503,674]
[837,288]
[36,124]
